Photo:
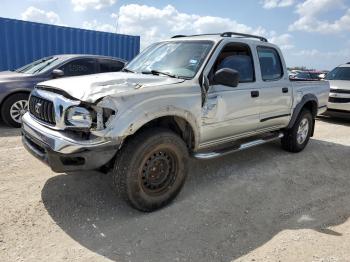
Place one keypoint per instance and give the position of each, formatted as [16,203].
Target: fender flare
[174,112]
[306,98]
[131,125]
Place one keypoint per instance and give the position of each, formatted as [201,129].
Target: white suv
[339,97]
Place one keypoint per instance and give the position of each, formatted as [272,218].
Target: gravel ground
[262,204]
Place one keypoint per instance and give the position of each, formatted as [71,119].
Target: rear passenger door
[275,91]
[106,65]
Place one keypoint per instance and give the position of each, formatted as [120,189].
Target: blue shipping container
[23,42]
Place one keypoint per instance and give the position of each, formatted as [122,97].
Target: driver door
[231,113]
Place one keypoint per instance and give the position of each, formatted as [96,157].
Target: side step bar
[236,148]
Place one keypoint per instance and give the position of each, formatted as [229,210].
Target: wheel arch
[309,102]
[178,123]
[11,94]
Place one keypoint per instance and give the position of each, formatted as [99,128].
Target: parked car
[339,97]
[15,86]
[292,73]
[308,75]
[323,75]
[202,96]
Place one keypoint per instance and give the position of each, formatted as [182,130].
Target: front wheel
[296,138]
[14,108]
[151,169]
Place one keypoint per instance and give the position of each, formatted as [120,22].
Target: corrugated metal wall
[22,42]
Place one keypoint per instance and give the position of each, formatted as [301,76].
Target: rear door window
[79,67]
[270,64]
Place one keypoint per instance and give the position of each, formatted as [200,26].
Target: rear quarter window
[110,65]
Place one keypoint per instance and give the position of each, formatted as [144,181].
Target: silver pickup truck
[202,96]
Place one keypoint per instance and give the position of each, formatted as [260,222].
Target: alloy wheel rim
[303,131]
[18,109]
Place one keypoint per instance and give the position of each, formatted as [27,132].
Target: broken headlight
[79,117]
[90,117]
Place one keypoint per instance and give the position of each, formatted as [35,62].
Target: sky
[311,33]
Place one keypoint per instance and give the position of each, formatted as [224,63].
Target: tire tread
[126,154]
[289,141]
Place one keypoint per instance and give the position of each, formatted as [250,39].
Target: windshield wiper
[28,67]
[46,65]
[127,70]
[155,72]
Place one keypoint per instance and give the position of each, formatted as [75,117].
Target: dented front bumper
[66,153]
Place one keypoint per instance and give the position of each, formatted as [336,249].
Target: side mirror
[57,73]
[227,77]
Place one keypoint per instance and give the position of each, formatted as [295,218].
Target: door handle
[285,90]
[254,93]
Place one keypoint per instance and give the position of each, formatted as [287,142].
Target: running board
[236,148]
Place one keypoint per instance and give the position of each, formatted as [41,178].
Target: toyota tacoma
[199,96]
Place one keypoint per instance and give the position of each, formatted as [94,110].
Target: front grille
[340,91]
[42,109]
[339,100]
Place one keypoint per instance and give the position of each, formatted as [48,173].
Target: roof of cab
[69,56]
[229,34]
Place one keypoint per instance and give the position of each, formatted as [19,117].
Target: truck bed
[318,88]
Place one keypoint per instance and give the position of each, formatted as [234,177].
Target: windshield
[177,59]
[339,73]
[40,66]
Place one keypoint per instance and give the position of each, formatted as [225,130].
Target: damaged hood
[93,87]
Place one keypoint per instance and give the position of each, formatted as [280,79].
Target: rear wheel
[14,108]
[151,169]
[296,138]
